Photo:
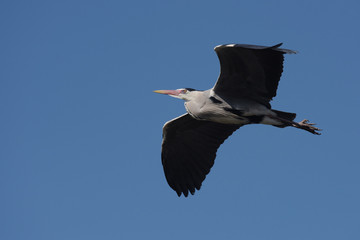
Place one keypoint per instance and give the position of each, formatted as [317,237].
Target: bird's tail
[285,115]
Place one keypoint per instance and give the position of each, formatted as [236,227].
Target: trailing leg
[304,124]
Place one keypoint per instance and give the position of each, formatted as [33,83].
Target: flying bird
[248,80]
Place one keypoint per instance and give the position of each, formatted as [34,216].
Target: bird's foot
[304,124]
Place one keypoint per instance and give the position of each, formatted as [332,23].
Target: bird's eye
[184,91]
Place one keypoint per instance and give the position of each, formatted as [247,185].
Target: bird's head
[183,93]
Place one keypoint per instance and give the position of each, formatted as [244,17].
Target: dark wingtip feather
[192,190]
[288,51]
[255,47]
[277,45]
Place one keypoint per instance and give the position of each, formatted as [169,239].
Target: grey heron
[248,80]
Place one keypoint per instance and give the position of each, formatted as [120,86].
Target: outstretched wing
[250,71]
[189,149]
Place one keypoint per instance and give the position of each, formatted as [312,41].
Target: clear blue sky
[80,130]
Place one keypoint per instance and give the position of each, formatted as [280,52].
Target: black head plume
[190,89]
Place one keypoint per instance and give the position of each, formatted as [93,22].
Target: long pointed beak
[168,92]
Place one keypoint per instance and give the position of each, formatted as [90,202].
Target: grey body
[247,83]
[227,110]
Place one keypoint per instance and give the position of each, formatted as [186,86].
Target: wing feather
[189,149]
[250,71]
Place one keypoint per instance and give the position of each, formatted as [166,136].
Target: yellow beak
[168,92]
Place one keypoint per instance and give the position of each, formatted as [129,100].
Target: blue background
[80,130]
